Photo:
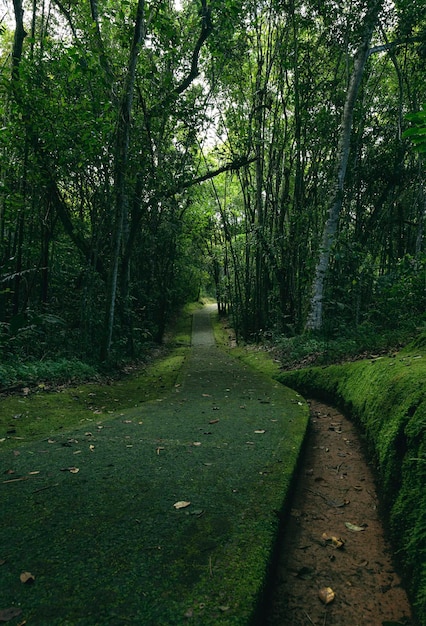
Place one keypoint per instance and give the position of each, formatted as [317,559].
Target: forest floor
[334,544]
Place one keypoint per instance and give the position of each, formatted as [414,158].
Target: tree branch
[229,167]
[391,45]
[206,29]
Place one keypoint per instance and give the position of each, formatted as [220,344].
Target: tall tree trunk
[121,166]
[315,318]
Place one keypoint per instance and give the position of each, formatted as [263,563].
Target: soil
[334,544]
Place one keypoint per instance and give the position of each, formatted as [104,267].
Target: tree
[315,318]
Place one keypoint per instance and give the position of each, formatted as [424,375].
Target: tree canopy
[270,154]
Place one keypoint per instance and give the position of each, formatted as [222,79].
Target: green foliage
[417,132]
[55,372]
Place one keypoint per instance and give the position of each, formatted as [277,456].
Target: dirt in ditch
[335,565]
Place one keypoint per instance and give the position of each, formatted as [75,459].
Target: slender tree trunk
[315,318]
[121,166]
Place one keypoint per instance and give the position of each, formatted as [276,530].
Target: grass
[43,407]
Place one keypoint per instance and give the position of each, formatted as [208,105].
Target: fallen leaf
[91,447]
[181,504]
[73,470]
[206,395]
[34,473]
[7,614]
[260,432]
[196,443]
[213,421]
[2,439]
[326,595]
[354,528]
[27,577]
[336,542]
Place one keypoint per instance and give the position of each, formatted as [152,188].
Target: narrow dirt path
[334,543]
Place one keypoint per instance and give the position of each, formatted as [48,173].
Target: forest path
[166,513]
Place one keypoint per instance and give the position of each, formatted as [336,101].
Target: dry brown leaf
[181,504]
[213,421]
[27,577]
[326,595]
[336,542]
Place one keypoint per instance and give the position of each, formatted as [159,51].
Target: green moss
[105,543]
[387,397]
[40,412]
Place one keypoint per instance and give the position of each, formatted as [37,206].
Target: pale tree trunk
[315,318]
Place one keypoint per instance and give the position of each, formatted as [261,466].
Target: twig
[309,618]
[44,488]
[317,493]
[15,480]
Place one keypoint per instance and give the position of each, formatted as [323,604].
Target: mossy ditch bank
[162,512]
[386,396]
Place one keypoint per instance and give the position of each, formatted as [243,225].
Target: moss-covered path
[162,514]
